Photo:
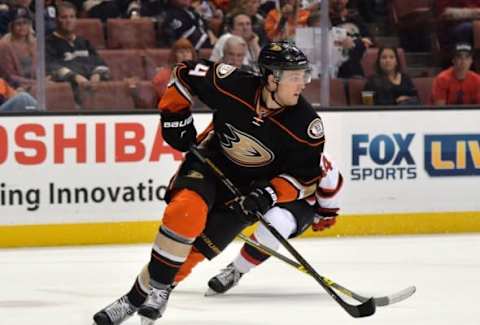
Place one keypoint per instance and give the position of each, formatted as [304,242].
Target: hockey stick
[379,301]
[365,309]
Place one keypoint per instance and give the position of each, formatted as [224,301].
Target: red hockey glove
[322,223]
[178,130]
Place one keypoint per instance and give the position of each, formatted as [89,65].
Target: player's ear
[272,85]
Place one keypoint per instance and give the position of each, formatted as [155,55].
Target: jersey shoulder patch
[303,123]
[223,70]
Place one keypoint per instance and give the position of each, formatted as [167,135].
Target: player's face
[291,85]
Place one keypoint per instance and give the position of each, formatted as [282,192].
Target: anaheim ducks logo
[243,149]
[275,47]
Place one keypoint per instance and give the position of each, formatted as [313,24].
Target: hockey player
[264,137]
[291,220]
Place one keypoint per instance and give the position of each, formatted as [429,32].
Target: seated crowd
[231,31]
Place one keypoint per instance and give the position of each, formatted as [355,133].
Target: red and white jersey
[327,195]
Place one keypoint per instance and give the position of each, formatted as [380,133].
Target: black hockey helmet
[280,56]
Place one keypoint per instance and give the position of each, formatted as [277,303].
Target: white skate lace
[158,297]
[229,274]
[118,310]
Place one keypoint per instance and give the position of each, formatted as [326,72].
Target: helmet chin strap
[272,94]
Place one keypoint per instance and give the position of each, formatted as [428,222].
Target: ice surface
[58,286]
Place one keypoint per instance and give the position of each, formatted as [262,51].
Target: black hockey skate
[115,313]
[155,305]
[224,281]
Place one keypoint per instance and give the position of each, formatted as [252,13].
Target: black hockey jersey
[283,147]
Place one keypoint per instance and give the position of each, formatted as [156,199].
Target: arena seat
[424,88]
[147,98]
[410,11]
[370,56]
[106,95]
[337,92]
[130,33]
[92,30]
[124,63]
[59,97]
[355,88]
[155,58]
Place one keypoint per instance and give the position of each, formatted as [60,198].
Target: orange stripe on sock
[193,259]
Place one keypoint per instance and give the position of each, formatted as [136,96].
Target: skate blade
[147,321]
[210,293]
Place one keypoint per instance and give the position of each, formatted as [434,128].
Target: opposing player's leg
[289,219]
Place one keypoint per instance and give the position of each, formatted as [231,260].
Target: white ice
[58,286]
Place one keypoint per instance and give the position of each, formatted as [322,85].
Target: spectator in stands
[101,9]
[251,9]
[182,50]
[70,57]
[280,24]
[6,15]
[17,50]
[457,85]
[234,53]
[355,43]
[239,24]
[13,101]
[389,84]
[455,21]
[180,20]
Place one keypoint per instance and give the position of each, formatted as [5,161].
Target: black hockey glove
[178,129]
[260,199]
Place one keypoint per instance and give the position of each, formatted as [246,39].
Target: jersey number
[200,70]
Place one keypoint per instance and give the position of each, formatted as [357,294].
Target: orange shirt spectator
[447,89]
[457,85]
[182,50]
[281,24]
[6,92]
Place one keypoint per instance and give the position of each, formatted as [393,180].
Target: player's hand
[321,223]
[178,129]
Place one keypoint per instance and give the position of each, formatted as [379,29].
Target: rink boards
[88,179]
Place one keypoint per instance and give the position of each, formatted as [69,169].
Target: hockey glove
[322,223]
[178,129]
[324,218]
[259,200]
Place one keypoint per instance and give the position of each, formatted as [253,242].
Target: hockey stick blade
[379,301]
[363,310]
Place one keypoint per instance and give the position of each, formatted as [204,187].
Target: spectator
[5,12]
[457,85]
[182,50]
[17,50]
[390,85]
[355,43]
[251,9]
[70,57]
[13,101]
[280,24]
[455,21]
[102,9]
[234,53]
[239,24]
[182,21]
